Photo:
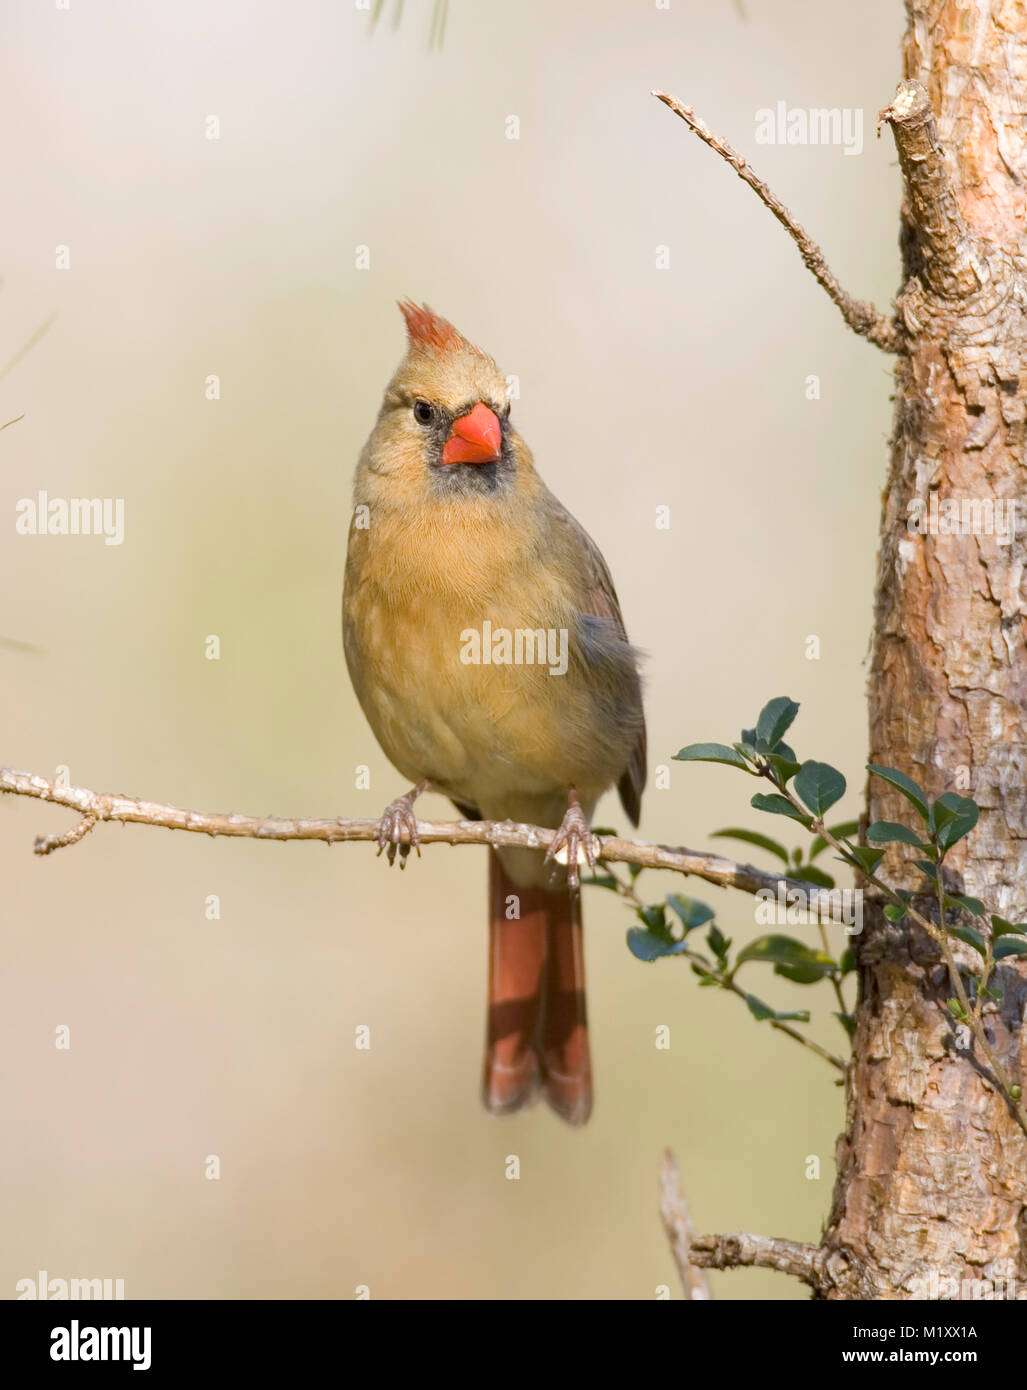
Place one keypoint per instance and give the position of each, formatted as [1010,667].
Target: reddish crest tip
[429,331]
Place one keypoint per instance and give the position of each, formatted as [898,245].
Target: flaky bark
[932,1176]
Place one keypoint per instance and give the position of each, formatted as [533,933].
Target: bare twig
[18,646]
[30,343]
[945,241]
[743,1250]
[70,837]
[677,1222]
[861,317]
[437,31]
[693,1254]
[95,807]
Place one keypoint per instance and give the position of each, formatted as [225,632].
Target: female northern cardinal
[486,647]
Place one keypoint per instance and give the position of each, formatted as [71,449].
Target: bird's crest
[429,332]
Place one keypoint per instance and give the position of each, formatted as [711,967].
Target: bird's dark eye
[423,412]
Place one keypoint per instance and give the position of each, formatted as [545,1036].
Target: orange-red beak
[474,438]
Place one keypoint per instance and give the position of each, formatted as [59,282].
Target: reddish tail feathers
[537,1027]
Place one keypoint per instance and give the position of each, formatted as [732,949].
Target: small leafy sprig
[667,926]
[667,929]
[804,792]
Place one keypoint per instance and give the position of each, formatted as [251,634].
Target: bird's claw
[572,841]
[397,830]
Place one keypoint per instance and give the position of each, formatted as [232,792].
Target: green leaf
[775,720]
[649,946]
[753,837]
[905,785]
[1001,927]
[895,911]
[954,817]
[692,912]
[785,767]
[866,857]
[954,832]
[971,937]
[778,806]
[710,753]
[717,942]
[944,810]
[801,974]
[790,958]
[847,961]
[950,806]
[1009,946]
[819,785]
[887,831]
[848,1023]
[939,815]
[927,868]
[655,919]
[955,1008]
[972,905]
[763,1012]
[840,832]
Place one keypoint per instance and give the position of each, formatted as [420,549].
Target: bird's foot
[397,828]
[573,842]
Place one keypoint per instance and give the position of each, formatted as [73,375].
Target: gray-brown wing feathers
[601,602]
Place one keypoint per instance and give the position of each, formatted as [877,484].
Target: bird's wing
[600,601]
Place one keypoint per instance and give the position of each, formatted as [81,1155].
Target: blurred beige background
[640,387]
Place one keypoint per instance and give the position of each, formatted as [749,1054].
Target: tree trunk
[932,1168]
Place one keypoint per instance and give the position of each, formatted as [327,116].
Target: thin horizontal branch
[861,317]
[742,1250]
[95,807]
[694,1254]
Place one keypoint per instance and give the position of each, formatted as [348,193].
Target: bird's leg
[397,828]
[573,838]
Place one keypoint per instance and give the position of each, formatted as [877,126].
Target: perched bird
[487,650]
